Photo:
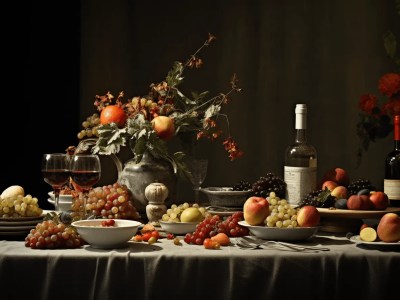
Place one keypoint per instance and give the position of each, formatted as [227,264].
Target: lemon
[191,214]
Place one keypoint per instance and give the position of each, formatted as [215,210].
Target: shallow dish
[355,214]
[224,196]
[356,239]
[280,234]
[108,237]
[178,227]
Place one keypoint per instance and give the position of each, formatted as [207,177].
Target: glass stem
[56,198]
[196,194]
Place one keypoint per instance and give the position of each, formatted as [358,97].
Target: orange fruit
[113,114]
[211,244]
[222,238]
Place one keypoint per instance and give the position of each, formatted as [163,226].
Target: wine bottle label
[299,182]
[391,187]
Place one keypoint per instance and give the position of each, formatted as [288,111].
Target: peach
[379,200]
[338,175]
[359,202]
[389,228]
[329,184]
[255,210]
[164,127]
[340,192]
[308,216]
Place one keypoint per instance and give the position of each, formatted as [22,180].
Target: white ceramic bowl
[178,227]
[109,237]
[62,198]
[280,234]
[63,206]
[224,196]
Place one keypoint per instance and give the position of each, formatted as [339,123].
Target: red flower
[367,103]
[389,84]
[392,107]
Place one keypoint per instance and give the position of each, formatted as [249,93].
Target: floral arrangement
[376,119]
[148,123]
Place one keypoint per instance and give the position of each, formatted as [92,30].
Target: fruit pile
[53,234]
[108,202]
[275,212]
[185,213]
[387,230]
[338,191]
[14,203]
[213,224]
[263,186]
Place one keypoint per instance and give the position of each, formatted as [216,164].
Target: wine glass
[55,171]
[198,172]
[85,172]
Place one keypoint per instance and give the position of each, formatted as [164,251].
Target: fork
[285,244]
[246,244]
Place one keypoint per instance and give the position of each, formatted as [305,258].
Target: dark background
[322,53]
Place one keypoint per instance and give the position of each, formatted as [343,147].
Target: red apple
[359,202]
[379,200]
[339,192]
[255,210]
[164,127]
[329,184]
[338,175]
[308,216]
[389,228]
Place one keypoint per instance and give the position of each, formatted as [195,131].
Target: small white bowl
[63,206]
[61,198]
[178,227]
[106,237]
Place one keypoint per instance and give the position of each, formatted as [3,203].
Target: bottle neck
[396,131]
[301,127]
[301,136]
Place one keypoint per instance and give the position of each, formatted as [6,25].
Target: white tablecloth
[166,271]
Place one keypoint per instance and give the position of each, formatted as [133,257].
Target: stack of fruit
[277,212]
[337,191]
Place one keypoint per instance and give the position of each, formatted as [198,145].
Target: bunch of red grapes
[108,202]
[213,225]
[51,234]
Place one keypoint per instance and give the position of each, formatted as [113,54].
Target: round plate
[355,214]
[18,223]
[13,233]
[17,228]
[356,239]
[23,218]
[280,234]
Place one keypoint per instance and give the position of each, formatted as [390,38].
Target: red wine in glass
[55,172]
[85,172]
[85,179]
[56,177]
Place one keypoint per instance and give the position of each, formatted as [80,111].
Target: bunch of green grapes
[281,213]
[173,214]
[90,126]
[19,206]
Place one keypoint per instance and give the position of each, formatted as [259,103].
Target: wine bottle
[391,182]
[300,170]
